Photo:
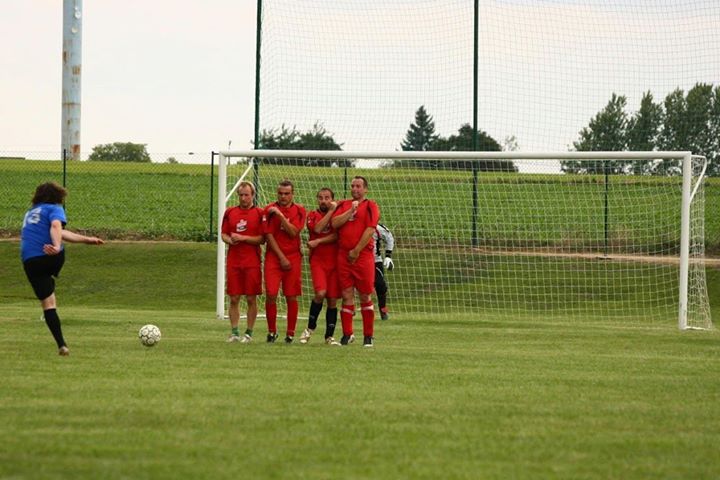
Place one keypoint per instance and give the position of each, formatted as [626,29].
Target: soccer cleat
[246,339]
[367,341]
[347,339]
[271,337]
[305,336]
[63,351]
[331,341]
[233,339]
[384,316]
[288,339]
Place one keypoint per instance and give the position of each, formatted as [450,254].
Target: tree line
[420,136]
[317,138]
[682,122]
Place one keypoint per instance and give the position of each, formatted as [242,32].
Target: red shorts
[291,279]
[243,281]
[325,277]
[360,274]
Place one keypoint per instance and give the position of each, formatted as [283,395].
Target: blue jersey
[36,228]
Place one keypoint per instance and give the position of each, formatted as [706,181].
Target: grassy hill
[172,201]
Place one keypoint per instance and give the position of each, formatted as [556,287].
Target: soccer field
[441,396]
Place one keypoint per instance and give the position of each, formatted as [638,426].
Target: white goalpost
[574,236]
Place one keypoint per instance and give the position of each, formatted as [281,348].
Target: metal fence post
[212,191]
[64,167]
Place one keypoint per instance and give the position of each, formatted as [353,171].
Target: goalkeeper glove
[388,263]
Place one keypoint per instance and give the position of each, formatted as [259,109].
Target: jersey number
[32,217]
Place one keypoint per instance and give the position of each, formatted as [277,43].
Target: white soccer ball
[149,335]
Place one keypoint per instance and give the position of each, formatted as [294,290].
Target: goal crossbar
[419,155]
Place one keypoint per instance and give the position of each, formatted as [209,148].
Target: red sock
[346,315]
[271,314]
[292,316]
[368,316]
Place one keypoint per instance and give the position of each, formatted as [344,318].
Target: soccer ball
[149,335]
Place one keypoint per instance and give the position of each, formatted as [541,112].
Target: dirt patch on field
[656,259]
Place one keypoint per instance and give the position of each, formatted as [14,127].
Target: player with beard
[323,266]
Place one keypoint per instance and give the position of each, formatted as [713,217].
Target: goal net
[506,235]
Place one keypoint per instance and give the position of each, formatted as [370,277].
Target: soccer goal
[572,236]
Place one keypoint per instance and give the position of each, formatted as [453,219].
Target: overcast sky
[179,75]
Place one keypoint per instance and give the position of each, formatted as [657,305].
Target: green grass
[178,276]
[116,200]
[172,201]
[425,281]
[531,210]
[441,396]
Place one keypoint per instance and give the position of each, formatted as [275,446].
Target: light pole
[71,76]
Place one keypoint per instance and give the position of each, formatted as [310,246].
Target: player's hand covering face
[325,201]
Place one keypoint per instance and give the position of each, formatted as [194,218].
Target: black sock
[315,309]
[382,300]
[53,322]
[330,321]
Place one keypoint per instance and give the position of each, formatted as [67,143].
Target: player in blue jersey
[42,252]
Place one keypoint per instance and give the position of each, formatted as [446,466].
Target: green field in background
[115,200]
[172,201]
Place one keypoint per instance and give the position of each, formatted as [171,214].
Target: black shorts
[41,270]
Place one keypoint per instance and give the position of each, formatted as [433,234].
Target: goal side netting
[497,235]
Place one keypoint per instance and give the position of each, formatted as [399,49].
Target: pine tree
[421,134]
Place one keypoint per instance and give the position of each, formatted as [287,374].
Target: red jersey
[295,213]
[245,221]
[327,252]
[366,216]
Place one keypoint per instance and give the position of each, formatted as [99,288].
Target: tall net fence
[552,75]
[117,200]
[573,247]
[368,68]
[359,70]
